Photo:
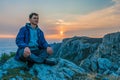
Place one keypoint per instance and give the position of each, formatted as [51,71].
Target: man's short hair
[31,15]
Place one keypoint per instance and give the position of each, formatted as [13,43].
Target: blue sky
[55,6]
[71,17]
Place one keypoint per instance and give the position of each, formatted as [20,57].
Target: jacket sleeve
[43,41]
[20,39]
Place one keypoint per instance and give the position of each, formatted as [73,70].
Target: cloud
[102,18]
[102,21]
[94,24]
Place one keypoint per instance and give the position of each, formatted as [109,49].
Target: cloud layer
[94,24]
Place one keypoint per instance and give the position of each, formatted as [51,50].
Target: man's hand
[27,52]
[49,50]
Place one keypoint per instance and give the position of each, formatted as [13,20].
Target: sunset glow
[60,19]
[7,36]
[61,32]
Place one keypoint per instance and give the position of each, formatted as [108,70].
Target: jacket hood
[28,25]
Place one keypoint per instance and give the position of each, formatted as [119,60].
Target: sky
[60,19]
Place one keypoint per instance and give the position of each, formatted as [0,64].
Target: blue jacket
[23,38]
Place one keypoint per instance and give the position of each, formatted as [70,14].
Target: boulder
[104,64]
[77,49]
[62,71]
[110,48]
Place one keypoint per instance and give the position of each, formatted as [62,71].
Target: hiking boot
[29,65]
[50,62]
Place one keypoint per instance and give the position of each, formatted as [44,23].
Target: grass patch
[92,76]
[12,73]
[4,57]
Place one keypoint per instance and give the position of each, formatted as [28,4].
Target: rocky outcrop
[78,48]
[99,65]
[62,71]
[110,48]
[100,56]
[106,58]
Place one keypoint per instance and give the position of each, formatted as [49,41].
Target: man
[32,46]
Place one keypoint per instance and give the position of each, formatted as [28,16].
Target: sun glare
[61,32]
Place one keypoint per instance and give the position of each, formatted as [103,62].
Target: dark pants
[37,56]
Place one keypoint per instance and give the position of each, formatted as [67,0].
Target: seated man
[32,46]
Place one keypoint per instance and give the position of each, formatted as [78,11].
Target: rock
[98,76]
[94,55]
[4,72]
[114,74]
[107,72]
[12,79]
[86,65]
[115,67]
[85,51]
[110,47]
[118,71]
[19,78]
[22,72]
[58,72]
[1,74]
[101,65]
[104,64]
[62,71]
[94,65]
[12,63]
[105,79]
[78,48]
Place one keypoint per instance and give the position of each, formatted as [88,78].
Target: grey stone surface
[60,71]
[104,64]
[78,48]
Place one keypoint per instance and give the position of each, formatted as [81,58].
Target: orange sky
[7,36]
[60,19]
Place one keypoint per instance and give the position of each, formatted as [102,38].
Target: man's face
[34,20]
